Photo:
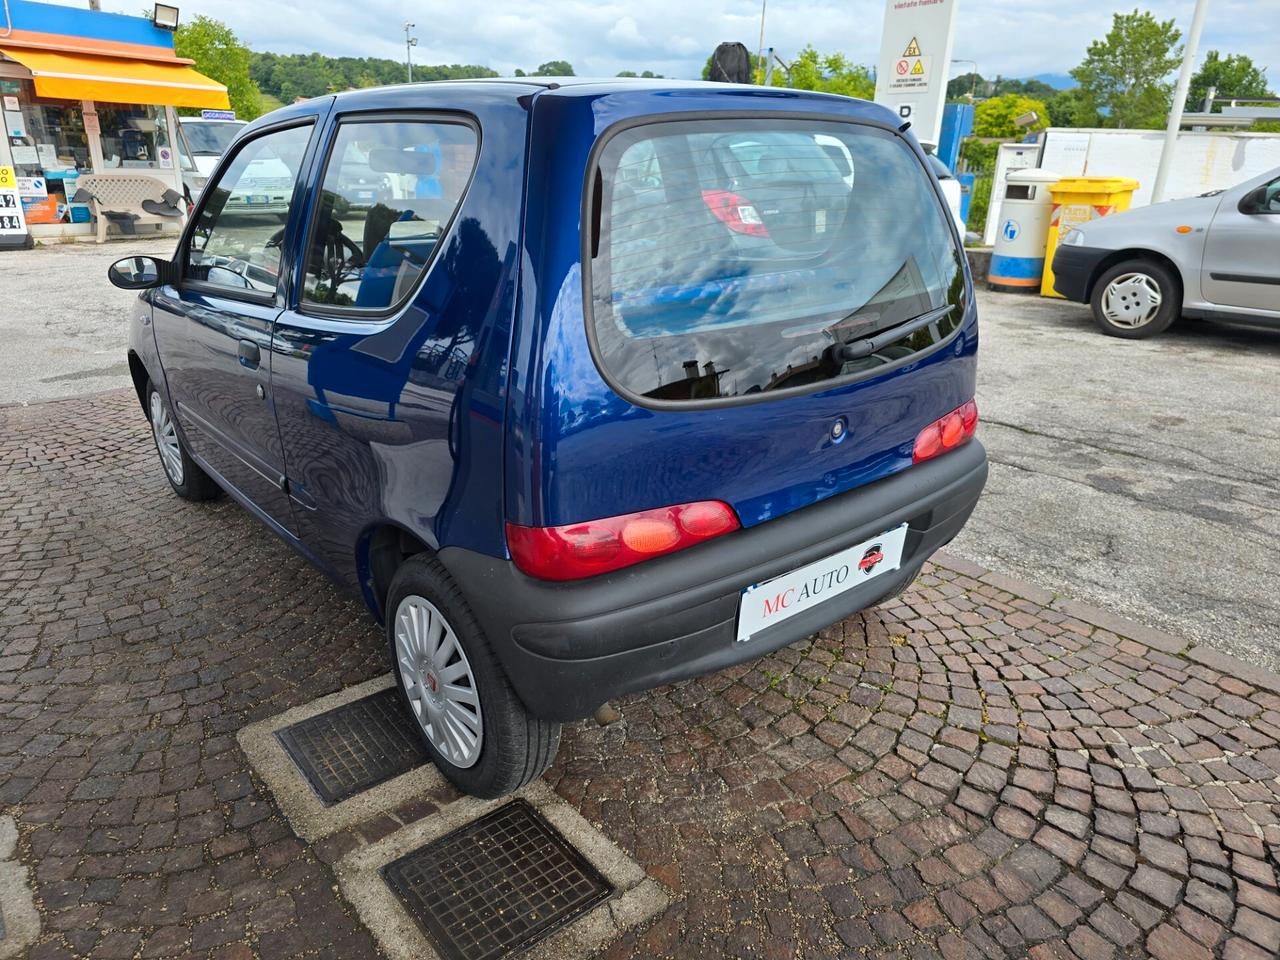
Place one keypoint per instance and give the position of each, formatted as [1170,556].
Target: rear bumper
[1074,268]
[568,647]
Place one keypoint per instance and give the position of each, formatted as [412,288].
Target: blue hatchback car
[584,386]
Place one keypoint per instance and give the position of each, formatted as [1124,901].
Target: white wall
[1204,161]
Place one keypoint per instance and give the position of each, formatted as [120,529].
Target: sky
[1013,38]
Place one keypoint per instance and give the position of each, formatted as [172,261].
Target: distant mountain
[1059,81]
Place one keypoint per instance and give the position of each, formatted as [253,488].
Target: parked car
[1215,256]
[951,188]
[201,143]
[541,406]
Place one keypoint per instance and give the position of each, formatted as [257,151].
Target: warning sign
[910,73]
[915,54]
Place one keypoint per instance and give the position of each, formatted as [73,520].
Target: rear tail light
[735,212]
[946,433]
[578,550]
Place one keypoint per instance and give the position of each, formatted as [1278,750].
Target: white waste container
[1017,260]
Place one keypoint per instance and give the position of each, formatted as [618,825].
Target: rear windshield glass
[732,257]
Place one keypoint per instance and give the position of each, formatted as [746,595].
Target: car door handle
[250,355]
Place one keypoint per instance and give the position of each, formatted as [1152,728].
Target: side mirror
[1255,201]
[138,273]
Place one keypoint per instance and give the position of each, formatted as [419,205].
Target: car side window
[1265,199]
[390,189]
[239,232]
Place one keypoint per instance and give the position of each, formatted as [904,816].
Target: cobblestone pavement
[978,769]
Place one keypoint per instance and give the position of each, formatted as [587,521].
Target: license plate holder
[772,601]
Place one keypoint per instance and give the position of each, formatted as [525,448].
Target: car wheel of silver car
[1135,299]
[184,474]
[474,725]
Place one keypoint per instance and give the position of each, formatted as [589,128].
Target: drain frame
[477,876]
[638,897]
[388,735]
[310,818]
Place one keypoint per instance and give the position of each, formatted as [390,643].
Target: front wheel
[1135,299]
[184,474]
[475,727]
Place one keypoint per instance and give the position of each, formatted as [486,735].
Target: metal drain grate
[355,746]
[496,886]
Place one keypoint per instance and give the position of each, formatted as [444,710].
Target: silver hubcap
[1131,300]
[166,438]
[438,681]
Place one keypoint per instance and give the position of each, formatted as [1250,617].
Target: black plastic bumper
[1074,269]
[568,647]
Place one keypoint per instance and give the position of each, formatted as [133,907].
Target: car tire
[186,477]
[1136,299]
[476,729]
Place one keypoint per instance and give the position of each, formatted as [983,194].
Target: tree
[554,68]
[994,117]
[220,56]
[286,76]
[965,86]
[647,75]
[828,73]
[1126,73]
[1072,108]
[1233,76]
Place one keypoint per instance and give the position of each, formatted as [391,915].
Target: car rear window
[733,257]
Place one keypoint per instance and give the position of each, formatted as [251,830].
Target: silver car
[1212,256]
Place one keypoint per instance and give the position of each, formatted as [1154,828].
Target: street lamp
[409,44]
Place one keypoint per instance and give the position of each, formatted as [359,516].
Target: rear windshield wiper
[857,349]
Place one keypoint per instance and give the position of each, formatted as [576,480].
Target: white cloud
[1007,37]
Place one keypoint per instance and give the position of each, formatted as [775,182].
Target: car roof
[212,120]
[579,86]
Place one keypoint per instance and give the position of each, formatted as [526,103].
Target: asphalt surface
[1143,476]
[63,326]
[1139,476]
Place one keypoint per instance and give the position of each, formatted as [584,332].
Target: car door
[398,288]
[1241,266]
[213,327]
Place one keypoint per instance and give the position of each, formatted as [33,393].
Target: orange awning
[79,76]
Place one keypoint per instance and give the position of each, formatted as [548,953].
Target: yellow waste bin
[1077,200]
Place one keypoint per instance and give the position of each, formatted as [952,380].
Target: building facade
[89,92]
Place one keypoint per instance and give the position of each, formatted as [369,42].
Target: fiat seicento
[607,385]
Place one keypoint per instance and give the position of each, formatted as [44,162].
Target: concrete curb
[304,810]
[21,921]
[1208,657]
[639,897]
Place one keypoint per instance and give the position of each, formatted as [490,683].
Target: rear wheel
[1135,299]
[477,730]
[184,474]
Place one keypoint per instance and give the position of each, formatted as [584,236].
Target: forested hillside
[287,76]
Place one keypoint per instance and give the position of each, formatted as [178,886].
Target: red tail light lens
[946,433]
[735,212]
[578,550]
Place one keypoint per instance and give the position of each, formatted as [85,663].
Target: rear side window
[736,257]
[390,189]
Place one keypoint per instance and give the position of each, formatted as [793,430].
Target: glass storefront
[52,142]
[134,137]
[49,147]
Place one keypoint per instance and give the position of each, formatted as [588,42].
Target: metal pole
[768,70]
[1179,100]
[760,52]
[408,50]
